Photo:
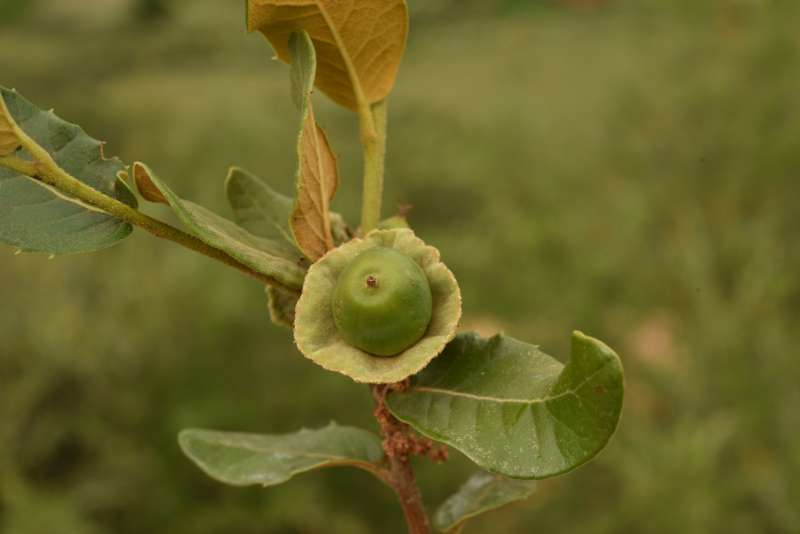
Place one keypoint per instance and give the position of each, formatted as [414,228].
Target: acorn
[377,309]
[382,302]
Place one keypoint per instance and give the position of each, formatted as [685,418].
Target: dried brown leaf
[146,187]
[359,43]
[316,184]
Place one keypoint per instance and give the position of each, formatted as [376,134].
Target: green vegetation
[641,159]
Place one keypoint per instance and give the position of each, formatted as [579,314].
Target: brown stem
[405,485]
[399,445]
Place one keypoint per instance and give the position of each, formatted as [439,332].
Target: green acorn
[377,309]
[382,302]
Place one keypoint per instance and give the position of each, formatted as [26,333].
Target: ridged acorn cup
[377,309]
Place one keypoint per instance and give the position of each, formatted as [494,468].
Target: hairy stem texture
[400,475]
[373,139]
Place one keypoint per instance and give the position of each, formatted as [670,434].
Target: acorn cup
[377,309]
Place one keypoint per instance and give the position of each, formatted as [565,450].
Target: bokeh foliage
[630,166]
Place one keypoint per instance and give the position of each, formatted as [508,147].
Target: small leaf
[273,258]
[513,409]
[482,493]
[360,43]
[148,189]
[35,217]
[123,190]
[258,208]
[317,177]
[281,305]
[242,459]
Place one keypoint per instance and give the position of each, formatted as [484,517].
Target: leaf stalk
[373,139]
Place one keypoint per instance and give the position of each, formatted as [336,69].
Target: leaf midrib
[324,460]
[500,400]
[358,91]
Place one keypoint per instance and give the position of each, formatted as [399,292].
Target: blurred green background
[627,168]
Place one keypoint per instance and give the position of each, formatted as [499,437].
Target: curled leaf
[275,259]
[146,187]
[317,177]
[513,409]
[359,42]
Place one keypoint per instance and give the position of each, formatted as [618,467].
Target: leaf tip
[185,437]
[231,176]
[583,341]
[142,175]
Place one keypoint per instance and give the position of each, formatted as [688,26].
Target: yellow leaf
[317,177]
[317,181]
[359,43]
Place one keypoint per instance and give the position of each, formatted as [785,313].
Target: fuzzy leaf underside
[242,459]
[34,217]
[359,43]
[482,493]
[513,409]
[281,306]
[317,177]
[272,258]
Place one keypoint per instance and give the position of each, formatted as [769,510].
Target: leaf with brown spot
[317,177]
[359,42]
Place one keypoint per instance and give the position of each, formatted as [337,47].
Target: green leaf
[274,258]
[482,493]
[262,211]
[242,459]
[360,46]
[257,207]
[317,177]
[513,409]
[35,217]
